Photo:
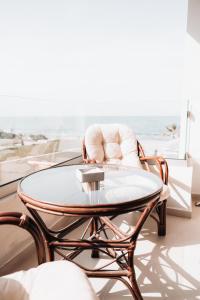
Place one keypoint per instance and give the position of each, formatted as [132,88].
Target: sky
[69,57]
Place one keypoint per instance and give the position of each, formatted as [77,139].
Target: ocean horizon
[54,126]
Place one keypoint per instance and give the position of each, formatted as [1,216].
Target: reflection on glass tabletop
[61,186]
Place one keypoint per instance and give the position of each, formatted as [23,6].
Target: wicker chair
[117,144]
[50,280]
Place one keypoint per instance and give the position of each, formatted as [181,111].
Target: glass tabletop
[61,187]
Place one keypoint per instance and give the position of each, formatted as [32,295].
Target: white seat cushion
[54,280]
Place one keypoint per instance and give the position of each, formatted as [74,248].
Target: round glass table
[61,191]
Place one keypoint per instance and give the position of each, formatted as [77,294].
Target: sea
[54,126]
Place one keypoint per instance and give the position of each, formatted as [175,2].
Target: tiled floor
[166,267]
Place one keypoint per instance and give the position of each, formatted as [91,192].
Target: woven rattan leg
[161,211]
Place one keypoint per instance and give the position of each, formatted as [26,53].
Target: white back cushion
[112,143]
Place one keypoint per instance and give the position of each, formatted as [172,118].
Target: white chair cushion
[112,143]
[115,144]
[54,280]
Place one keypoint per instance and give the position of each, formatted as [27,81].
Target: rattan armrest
[160,162]
[85,158]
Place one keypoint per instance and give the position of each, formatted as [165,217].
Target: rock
[7,135]
[37,137]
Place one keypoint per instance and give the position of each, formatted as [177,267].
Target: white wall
[192,86]
[194,144]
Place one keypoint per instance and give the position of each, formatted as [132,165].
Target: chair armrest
[161,163]
[28,224]
[83,150]
[89,161]
[85,158]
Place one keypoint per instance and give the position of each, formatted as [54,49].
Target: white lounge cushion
[53,280]
[112,143]
[115,144]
